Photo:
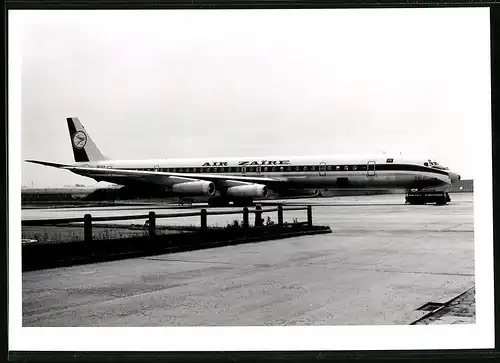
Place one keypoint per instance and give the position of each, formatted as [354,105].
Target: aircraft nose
[454,177]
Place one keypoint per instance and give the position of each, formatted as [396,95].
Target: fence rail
[87,220]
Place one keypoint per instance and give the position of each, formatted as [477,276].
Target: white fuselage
[326,171]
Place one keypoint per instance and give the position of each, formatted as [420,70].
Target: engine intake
[248,191]
[195,188]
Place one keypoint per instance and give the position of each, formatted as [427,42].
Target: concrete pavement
[383,260]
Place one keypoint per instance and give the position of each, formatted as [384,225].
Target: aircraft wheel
[218,202]
[243,202]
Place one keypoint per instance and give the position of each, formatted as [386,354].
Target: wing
[126,176]
[47,163]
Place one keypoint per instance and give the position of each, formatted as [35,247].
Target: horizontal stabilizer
[47,163]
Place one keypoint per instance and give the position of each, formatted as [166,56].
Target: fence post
[203,222]
[280,216]
[245,218]
[87,228]
[152,224]
[258,215]
[309,216]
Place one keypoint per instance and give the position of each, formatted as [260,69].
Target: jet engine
[195,188]
[248,191]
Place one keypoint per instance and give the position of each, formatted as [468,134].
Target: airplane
[244,179]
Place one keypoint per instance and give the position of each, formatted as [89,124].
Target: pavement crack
[413,272]
[186,261]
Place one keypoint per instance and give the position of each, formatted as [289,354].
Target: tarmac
[382,262]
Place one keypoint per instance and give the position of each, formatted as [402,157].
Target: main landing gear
[218,202]
[440,198]
[224,202]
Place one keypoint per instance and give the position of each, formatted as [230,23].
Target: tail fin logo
[79,139]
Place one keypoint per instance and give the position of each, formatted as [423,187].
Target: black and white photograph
[250,179]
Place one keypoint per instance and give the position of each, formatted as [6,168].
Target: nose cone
[454,177]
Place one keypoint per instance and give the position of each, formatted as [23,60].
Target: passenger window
[297,168]
[273,168]
[305,168]
[313,168]
[221,170]
[329,168]
[337,167]
[346,167]
[214,170]
[288,168]
[265,168]
[354,167]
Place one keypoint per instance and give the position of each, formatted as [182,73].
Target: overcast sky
[160,84]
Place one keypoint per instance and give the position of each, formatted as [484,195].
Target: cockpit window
[435,165]
[390,160]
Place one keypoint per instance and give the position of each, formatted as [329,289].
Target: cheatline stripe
[293,168]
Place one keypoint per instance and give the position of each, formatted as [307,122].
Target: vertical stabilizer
[84,148]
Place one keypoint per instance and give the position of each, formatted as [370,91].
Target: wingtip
[46,163]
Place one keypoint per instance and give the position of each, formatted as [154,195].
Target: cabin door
[258,169]
[322,169]
[370,169]
[243,169]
